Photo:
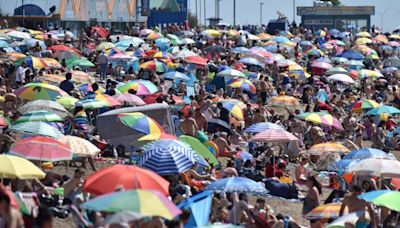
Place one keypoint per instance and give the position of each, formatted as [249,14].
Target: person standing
[102,60]
[20,75]
[312,200]
[67,85]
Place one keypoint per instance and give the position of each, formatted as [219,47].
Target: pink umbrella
[321,65]
[41,148]
[274,135]
[127,98]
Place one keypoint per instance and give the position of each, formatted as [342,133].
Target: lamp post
[234,12]
[294,10]
[23,13]
[205,8]
[261,12]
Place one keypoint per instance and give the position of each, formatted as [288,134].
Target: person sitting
[275,188]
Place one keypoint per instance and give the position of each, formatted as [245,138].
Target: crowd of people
[279,78]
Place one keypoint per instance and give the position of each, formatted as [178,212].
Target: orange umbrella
[126,176]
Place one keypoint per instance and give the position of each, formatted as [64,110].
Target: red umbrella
[196,60]
[61,47]
[102,32]
[126,176]
[41,148]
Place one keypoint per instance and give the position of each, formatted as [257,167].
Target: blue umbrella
[3,44]
[246,156]
[383,109]
[250,61]
[386,48]
[271,48]
[350,54]
[175,75]
[389,70]
[306,43]
[322,95]
[339,59]
[168,157]
[323,59]
[280,39]
[342,165]
[334,32]
[237,184]
[259,127]
[365,153]
[240,50]
[200,207]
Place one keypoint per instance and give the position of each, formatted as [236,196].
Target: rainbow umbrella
[154,65]
[234,109]
[41,148]
[330,147]
[31,61]
[144,202]
[111,101]
[360,105]
[243,84]
[4,122]
[369,73]
[142,87]
[42,115]
[50,62]
[82,62]
[283,101]
[140,122]
[154,36]
[386,198]
[330,210]
[37,90]
[36,128]
[323,118]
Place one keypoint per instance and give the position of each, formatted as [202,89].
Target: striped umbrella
[41,148]
[36,128]
[168,157]
[330,147]
[154,65]
[323,118]
[4,122]
[234,109]
[140,122]
[274,135]
[144,202]
[330,210]
[79,146]
[259,127]
[41,116]
[142,87]
[33,62]
[47,105]
[360,105]
[243,84]
[237,184]
[37,90]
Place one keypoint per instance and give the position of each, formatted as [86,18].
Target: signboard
[145,7]
[336,10]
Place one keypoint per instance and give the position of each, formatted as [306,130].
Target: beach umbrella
[363,41]
[214,49]
[330,147]
[389,70]
[153,137]
[315,52]
[215,125]
[154,65]
[155,36]
[4,122]
[3,44]
[274,135]
[350,54]
[243,84]
[41,115]
[336,42]
[211,32]
[32,61]
[386,198]
[231,73]
[143,202]
[237,184]
[367,152]
[381,38]
[151,99]
[369,73]
[91,104]
[321,65]
[80,147]
[145,32]
[40,148]
[185,54]
[323,118]
[280,39]
[142,87]
[259,127]
[122,217]
[188,41]
[67,102]
[105,46]
[336,70]
[250,61]
[377,167]
[264,36]
[360,105]
[130,99]
[283,101]
[167,157]
[196,60]
[129,177]
[351,218]
[200,148]
[122,57]
[324,211]
[175,75]
[19,34]
[81,62]
[383,109]
[394,43]
[240,50]
[341,78]
[184,33]
[364,34]
[36,128]
[14,167]
[342,165]
[46,105]
[109,100]
[140,122]
[234,109]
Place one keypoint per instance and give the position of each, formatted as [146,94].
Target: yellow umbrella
[212,32]
[283,100]
[394,36]
[363,34]
[264,36]
[67,102]
[79,146]
[363,41]
[329,147]
[17,167]
[381,38]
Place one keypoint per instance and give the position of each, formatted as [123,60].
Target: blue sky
[248,11]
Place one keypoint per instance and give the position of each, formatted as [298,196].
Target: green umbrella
[82,62]
[91,104]
[41,115]
[386,198]
[200,148]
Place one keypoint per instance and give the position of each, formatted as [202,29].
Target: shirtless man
[11,217]
[353,204]
[301,171]
[189,125]
[223,145]
[263,90]
[258,117]
[201,120]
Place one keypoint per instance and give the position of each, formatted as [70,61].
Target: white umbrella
[349,218]
[274,135]
[19,35]
[252,37]
[342,78]
[122,217]
[188,41]
[377,167]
